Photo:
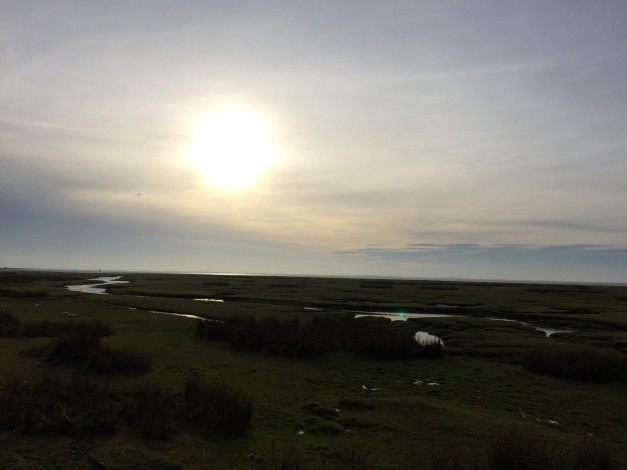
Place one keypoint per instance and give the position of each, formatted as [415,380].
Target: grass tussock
[216,406]
[319,335]
[578,362]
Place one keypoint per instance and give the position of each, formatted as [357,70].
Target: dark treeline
[319,335]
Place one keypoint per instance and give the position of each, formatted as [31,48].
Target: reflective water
[400,316]
[545,330]
[98,287]
[185,315]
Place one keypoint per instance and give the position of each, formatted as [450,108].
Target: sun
[232,147]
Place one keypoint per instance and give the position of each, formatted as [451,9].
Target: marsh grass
[514,450]
[577,362]
[319,335]
[216,406]
[23,293]
[401,420]
[290,459]
[150,410]
[511,450]
[83,406]
[10,325]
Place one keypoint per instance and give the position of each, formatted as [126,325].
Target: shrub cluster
[83,406]
[577,362]
[319,335]
[81,346]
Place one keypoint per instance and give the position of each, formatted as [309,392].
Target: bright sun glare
[232,147]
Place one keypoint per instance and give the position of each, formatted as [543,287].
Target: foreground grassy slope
[387,409]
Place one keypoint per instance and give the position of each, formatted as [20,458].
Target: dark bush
[577,362]
[220,408]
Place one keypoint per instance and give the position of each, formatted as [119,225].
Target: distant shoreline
[323,276]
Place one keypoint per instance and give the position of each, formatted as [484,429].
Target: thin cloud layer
[492,133]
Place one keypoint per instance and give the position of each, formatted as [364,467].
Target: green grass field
[335,410]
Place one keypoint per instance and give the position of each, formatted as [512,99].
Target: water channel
[100,288]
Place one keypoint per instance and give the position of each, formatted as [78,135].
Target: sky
[427,139]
